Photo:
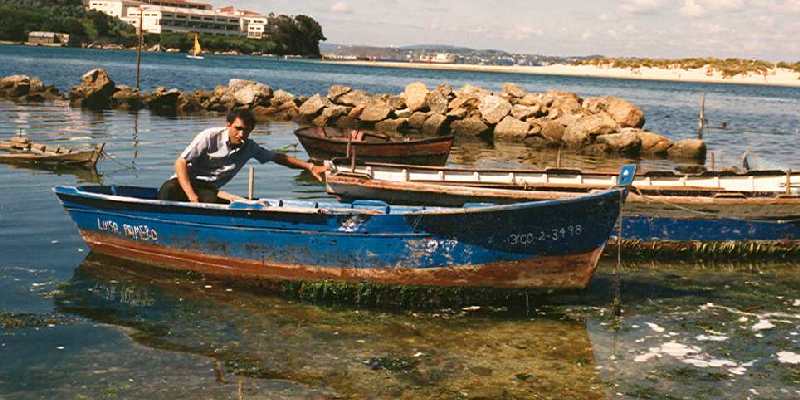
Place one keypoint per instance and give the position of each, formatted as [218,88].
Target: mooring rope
[114,159]
[616,291]
[676,206]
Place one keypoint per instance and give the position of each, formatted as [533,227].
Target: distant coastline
[774,77]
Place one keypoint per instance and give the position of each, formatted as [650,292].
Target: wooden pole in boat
[701,123]
[139,47]
[251,178]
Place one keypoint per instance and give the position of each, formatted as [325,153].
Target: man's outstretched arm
[291,162]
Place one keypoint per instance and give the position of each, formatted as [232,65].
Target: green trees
[283,35]
[298,35]
[18,18]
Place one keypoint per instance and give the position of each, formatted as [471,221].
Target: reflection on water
[337,352]
[83,174]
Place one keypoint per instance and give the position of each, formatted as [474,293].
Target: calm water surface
[74,325]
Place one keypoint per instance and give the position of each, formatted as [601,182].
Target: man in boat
[216,155]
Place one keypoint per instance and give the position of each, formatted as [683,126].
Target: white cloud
[641,6]
[341,7]
[522,32]
[692,9]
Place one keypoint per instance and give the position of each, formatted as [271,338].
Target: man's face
[238,132]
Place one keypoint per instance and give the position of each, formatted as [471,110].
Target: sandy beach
[775,77]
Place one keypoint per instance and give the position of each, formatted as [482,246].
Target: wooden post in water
[701,123]
[139,47]
[251,178]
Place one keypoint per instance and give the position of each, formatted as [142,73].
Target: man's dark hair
[244,114]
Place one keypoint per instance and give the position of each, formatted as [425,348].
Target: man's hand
[193,198]
[318,171]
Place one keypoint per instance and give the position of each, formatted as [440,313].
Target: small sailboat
[196,52]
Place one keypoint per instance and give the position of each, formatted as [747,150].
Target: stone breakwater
[594,125]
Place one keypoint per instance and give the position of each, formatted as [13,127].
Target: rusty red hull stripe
[571,271]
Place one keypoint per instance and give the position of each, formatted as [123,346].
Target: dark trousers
[206,192]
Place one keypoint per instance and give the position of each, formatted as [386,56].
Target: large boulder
[627,143]
[530,99]
[391,125]
[437,102]
[434,124]
[652,143]
[494,108]
[567,102]
[625,113]
[281,96]
[313,105]
[188,103]
[466,101]
[127,98]
[511,128]
[15,85]
[584,129]
[415,94]
[595,104]
[336,91]
[417,119]
[469,90]
[688,149]
[469,127]
[249,93]
[94,91]
[551,130]
[513,90]
[396,102]
[329,113]
[375,111]
[354,98]
[445,89]
[522,112]
[163,101]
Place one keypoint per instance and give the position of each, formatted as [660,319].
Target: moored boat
[20,150]
[543,244]
[731,213]
[364,146]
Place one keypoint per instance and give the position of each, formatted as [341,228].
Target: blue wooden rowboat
[541,244]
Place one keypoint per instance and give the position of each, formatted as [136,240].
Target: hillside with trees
[284,34]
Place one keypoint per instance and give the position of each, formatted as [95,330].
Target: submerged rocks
[688,149]
[25,88]
[94,91]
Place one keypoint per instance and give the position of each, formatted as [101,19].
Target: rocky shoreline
[594,125]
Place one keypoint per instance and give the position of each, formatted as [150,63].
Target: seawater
[74,325]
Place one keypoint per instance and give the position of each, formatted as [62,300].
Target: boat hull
[431,151]
[679,223]
[552,245]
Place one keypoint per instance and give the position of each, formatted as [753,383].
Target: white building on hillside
[183,16]
[252,22]
[438,58]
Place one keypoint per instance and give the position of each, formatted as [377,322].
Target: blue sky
[763,29]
